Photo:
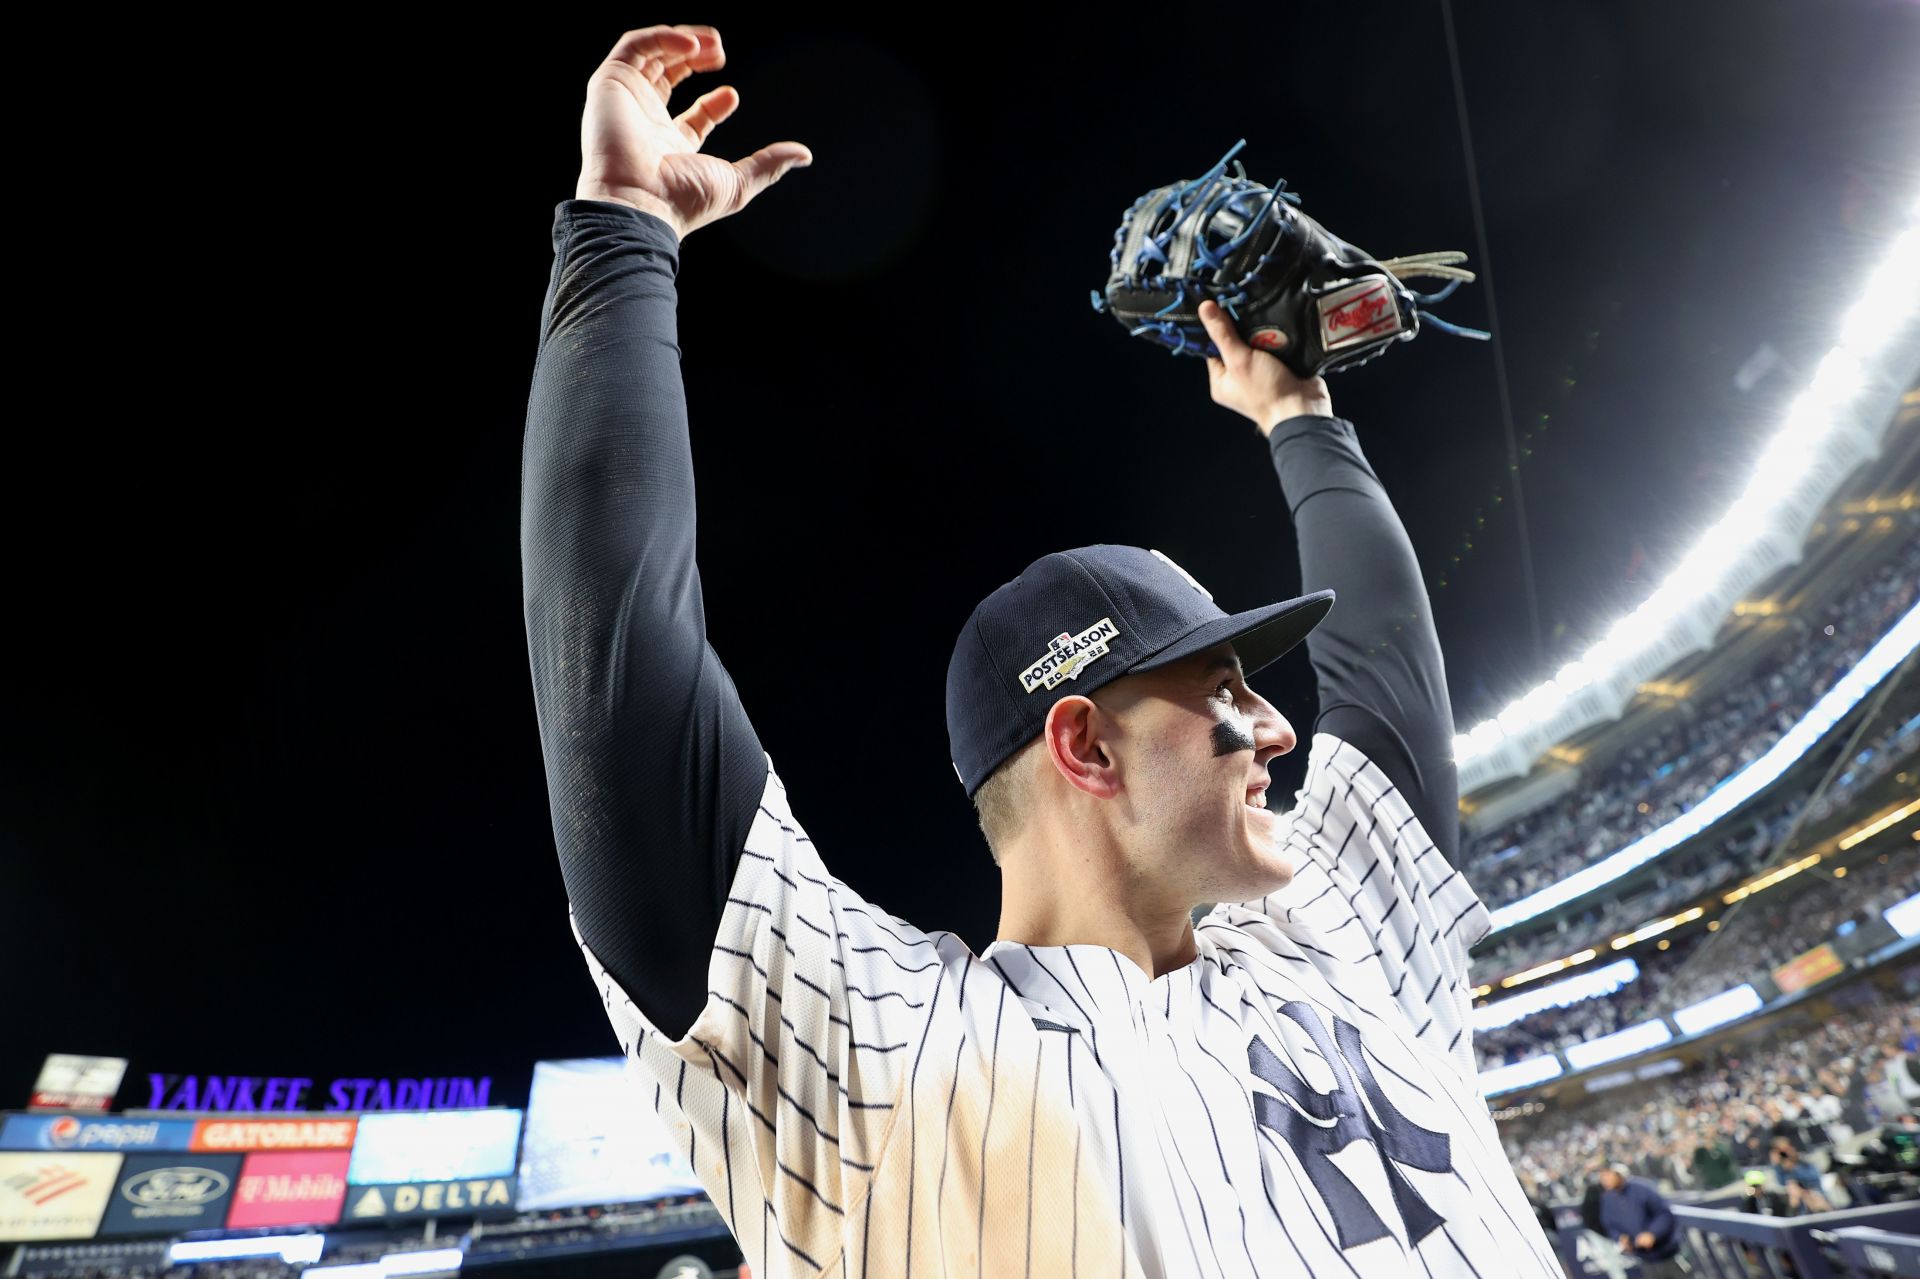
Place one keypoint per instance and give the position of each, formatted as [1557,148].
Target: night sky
[271,797]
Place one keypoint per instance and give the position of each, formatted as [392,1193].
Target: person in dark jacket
[1712,1163]
[1634,1214]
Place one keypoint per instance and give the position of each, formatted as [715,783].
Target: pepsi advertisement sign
[168,1194]
[79,1132]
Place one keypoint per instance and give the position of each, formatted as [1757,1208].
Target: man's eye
[1226,686]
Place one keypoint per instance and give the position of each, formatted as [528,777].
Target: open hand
[1255,384]
[633,152]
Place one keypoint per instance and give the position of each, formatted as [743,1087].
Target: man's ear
[1078,735]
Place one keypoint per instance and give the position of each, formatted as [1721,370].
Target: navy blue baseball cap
[1075,620]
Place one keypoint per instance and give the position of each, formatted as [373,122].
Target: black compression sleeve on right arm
[653,770]
[1376,656]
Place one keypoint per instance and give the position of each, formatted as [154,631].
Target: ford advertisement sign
[170,1194]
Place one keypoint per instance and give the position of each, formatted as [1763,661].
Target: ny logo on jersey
[1331,1121]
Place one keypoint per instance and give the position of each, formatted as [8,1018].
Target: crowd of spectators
[1697,1131]
[1755,936]
[1661,778]
[1734,850]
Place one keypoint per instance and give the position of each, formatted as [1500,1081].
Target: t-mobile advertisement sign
[290,1189]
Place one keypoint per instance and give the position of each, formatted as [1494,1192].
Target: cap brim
[1259,635]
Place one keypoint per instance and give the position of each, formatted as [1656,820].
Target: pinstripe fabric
[861,1097]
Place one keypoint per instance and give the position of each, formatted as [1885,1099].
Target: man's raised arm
[1376,657]
[653,769]
[1377,820]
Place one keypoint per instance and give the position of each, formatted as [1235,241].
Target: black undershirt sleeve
[1376,656]
[653,770]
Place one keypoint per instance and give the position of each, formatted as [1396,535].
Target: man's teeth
[1258,801]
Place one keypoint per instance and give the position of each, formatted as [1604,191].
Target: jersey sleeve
[785,1086]
[1374,903]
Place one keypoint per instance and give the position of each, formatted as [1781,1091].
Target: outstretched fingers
[768,165]
[709,109]
[666,55]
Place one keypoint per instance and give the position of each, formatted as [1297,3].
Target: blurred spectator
[1799,1177]
[1636,1216]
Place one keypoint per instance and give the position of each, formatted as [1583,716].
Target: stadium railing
[1874,1251]
[1719,1243]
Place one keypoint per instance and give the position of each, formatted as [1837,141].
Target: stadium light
[1886,303]
[1846,693]
[1873,828]
[1905,916]
[1771,878]
[1718,1010]
[1659,926]
[1521,1073]
[426,1261]
[1621,1043]
[1594,985]
[1547,969]
[295,1250]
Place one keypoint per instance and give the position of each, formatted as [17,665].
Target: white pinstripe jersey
[860,1097]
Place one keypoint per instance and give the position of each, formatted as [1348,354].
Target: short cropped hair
[1002,800]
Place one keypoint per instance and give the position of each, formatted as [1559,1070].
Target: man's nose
[1271,730]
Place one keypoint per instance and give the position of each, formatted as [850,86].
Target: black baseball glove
[1291,286]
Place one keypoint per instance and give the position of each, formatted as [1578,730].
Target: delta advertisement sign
[411,1200]
[437,1163]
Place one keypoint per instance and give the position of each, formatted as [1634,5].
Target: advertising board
[1809,968]
[593,1138]
[290,1188]
[273,1134]
[171,1194]
[54,1195]
[464,1197]
[72,1081]
[86,1132]
[435,1145]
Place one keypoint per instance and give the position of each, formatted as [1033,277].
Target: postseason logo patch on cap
[1068,655]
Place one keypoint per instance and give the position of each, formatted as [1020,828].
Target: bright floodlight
[1736,790]
[1888,301]
[1905,916]
[293,1249]
[1533,1070]
[1621,1043]
[1728,1005]
[1593,985]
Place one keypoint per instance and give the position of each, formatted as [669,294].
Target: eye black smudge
[1229,738]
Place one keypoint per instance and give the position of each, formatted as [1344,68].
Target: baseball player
[1286,1088]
